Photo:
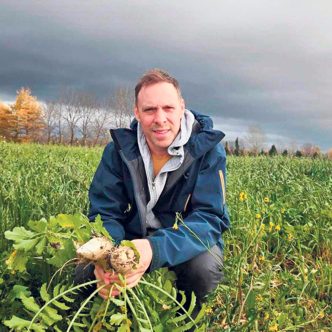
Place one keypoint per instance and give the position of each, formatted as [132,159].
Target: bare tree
[100,124]
[86,105]
[310,150]
[71,112]
[50,113]
[122,102]
[329,154]
[256,139]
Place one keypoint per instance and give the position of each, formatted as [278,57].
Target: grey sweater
[156,184]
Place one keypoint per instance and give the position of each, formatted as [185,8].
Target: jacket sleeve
[206,221]
[107,194]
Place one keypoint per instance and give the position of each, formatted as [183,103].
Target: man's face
[159,110]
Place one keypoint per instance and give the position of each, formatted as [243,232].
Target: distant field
[278,254]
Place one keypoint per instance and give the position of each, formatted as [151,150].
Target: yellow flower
[243,196]
[259,298]
[258,216]
[290,237]
[261,258]
[283,210]
[278,228]
[266,200]
[208,311]
[266,316]
[274,327]
[321,315]
[271,226]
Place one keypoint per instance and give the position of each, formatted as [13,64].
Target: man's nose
[160,116]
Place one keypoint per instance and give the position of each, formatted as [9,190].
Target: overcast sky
[262,63]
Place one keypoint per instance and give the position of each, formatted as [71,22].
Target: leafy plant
[59,305]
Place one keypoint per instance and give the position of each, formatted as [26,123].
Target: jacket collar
[203,137]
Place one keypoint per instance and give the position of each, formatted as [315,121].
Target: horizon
[244,64]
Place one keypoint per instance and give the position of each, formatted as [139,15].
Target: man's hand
[131,277]
[144,248]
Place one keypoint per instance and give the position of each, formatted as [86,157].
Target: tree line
[80,118]
[243,148]
[74,118]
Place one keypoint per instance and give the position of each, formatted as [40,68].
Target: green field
[278,253]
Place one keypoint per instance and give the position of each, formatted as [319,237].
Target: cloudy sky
[246,63]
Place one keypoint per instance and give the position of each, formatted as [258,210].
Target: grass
[278,253]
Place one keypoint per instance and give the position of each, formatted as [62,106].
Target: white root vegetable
[123,259]
[101,251]
[98,248]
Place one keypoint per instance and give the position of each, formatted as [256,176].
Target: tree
[87,104]
[71,113]
[8,121]
[122,102]
[50,112]
[285,153]
[227,150]
[310,150]
[298,153]
[100,124]
[273,151]
[329,154]
[29,117]
[237,147]
[256,139]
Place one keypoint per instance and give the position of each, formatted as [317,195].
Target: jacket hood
[203,137]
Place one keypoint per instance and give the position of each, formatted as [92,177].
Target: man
[169,162]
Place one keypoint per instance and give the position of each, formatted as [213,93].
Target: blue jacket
[119,193]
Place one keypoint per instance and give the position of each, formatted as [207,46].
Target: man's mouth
[161,131]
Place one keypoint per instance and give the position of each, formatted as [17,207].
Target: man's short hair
[154,76]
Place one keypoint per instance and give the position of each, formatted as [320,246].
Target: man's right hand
[109,279]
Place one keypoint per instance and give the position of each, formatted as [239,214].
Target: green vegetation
[278,254]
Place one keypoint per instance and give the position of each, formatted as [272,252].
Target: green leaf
[17,324]
[39,226]
[63,255]
[60,305]
[41,246]
[43,293]
[26,245]
[117,319]
[125,327]
[29,303]
[18,234]
[118,302]
[52,313]
[67,221]
[17,261]
[19,290]
[98,227]
[251,301]
[168,286]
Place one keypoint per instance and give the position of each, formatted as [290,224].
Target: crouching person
[161,183]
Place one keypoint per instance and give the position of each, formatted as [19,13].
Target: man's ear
[136,113]
[183,105]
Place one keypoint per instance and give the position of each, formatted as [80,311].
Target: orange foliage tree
[22,121]
[8,123]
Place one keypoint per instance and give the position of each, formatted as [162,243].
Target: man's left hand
[144,248]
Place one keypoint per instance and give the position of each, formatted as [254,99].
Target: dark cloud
[245,63]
